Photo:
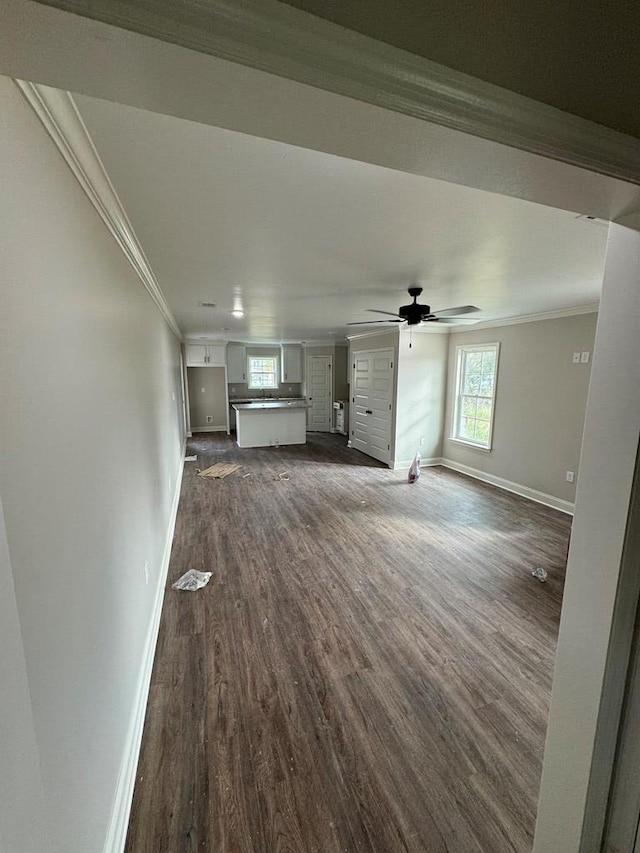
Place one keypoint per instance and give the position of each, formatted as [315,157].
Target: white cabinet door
[371,397]
[291,363]
[196,354]
[236,363]
[217,354]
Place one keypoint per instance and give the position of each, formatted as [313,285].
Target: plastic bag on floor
[414,471]
[192,580]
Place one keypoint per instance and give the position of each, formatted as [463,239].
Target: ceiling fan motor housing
[415,313]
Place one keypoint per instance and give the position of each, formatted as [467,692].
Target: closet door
[372,401]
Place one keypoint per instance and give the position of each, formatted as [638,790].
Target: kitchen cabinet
[236,363]
[203,354]
[291,363]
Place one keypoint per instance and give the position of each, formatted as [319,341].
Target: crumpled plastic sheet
[192,580]
[540,574]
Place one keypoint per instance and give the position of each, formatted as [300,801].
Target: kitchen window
[263,372]
[476,374]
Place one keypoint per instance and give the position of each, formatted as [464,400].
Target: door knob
[368,412]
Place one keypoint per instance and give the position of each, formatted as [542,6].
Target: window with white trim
[262,371]
[476,375]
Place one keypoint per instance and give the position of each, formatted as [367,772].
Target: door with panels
[320,411]
[372,402]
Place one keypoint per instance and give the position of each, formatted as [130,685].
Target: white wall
[91,448]
[540,403]
[422,374]
[22,825]
[609,451]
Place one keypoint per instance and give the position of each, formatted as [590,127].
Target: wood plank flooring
[369,668]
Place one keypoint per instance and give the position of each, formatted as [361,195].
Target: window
[476,370]
[263,372]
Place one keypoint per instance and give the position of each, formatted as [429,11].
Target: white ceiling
[306,241]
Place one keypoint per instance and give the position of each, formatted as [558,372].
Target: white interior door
[372,400]
[319,393]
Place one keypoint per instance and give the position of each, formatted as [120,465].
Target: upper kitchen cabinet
[202,354]
[291,363]
[236,363]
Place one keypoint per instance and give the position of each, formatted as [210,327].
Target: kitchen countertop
[233,400]
[270,404]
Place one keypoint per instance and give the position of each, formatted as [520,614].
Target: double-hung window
[476,373]
[263,372]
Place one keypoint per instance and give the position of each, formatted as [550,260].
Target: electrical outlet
[173,396]
[233,390]
[290,389]
[203,390]
[146,572]
[570,476]
[584,357]
[421,442]
[209,419]
[576,358]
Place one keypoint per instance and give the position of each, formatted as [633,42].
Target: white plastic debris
[190,458]
[414,471]
[540,574]
[192,580]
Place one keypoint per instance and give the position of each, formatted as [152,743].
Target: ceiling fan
[414,313]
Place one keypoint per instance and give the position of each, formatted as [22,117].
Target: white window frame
[461,351]
[250,373]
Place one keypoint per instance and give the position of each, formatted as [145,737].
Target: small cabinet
[199,354]
[236,363]
[291,363]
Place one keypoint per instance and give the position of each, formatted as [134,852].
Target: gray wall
[207,397]
[340,373]
[422,377]
[90,452]
[540,403]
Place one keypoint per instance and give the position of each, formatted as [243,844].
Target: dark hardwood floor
[369,668]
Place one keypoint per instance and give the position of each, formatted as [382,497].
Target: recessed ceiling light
[237,313]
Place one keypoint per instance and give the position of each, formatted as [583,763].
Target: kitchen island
[271,423]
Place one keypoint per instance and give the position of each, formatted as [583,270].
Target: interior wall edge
[118,825]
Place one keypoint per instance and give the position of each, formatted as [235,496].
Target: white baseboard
[209,429]
[117,830]
[424,463]
[509,486]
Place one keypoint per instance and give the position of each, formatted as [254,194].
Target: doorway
[208,403]
[319,394]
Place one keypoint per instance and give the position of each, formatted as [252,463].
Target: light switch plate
[584,358]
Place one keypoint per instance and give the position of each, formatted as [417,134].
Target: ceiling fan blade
[371,322]
[455,312]
[377,311]
[460,321]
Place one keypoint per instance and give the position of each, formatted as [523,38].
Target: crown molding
[324,342]
[60,117]
[281,40]
[591,308]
